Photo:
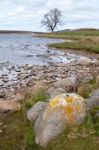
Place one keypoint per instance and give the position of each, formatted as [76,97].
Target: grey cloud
[28,13]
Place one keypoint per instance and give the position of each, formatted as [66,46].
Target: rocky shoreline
[27,76]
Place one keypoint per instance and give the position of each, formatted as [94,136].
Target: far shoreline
[18,32]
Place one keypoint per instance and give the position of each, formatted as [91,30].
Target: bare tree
[52,19]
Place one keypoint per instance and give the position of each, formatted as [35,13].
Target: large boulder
[8,107]
[86,61]
[36,110]
[93,100]
[68,84]
[93,105]
[48,129]
[62,111]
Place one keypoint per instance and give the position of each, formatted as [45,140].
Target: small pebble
[1,131]
[1,124]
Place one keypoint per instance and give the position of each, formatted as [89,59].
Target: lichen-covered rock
[62,111]
[34,112]
[73,106]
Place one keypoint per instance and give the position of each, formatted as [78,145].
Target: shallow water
[24,49]
[17,50]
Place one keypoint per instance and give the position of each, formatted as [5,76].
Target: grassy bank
[19,135]
[87,40]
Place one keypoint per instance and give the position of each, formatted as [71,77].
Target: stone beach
[48,67]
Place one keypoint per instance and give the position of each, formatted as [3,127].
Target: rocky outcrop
[62,111]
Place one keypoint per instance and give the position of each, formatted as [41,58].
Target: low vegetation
[85,39]
[86,88]
[18,132]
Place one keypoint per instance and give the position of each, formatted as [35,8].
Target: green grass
[18,133]
[87,40]
[85,88]
[39,95]
[79,45]
[77,138]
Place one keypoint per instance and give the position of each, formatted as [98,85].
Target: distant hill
[86,29]
[65,30]
[80,29]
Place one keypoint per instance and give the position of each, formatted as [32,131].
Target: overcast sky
[27,14]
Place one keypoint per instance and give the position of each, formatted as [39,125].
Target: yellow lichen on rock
[54,102]
[69,109]
[69,99]
[72,105]
[62,111]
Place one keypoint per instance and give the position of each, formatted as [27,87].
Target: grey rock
[17,70]
[1,131]
[1,82]
[2,94]
[6,80]
[68,84]
[1,124]
[93,100]
[47,130]
[34,112]
[85,61]
[8,107]
[52,92]
[54,119]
